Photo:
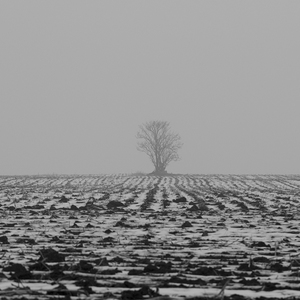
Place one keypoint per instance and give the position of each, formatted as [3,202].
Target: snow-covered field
[135,237]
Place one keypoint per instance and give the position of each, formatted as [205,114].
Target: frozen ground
[135,237]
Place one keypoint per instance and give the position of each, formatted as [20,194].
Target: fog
[79,77]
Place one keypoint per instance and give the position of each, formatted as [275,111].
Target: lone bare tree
[159,143]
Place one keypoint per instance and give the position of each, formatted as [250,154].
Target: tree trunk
[159,171]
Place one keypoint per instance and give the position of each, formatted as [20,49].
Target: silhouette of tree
[159,143]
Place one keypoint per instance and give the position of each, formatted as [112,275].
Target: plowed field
[141,237]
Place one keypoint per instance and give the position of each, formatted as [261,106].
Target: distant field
[141,237]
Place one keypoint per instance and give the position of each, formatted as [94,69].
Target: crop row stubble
[61,239]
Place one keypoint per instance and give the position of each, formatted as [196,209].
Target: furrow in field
[253,240]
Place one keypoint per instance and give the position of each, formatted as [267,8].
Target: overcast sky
[77,78]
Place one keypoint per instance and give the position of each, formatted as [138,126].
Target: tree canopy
[159,143]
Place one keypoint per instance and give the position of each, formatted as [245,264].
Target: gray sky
[78,77]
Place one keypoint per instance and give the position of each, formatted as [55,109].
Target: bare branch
[161,145]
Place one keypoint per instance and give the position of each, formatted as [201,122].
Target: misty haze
[149,150]
[78,79]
